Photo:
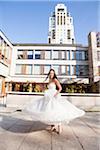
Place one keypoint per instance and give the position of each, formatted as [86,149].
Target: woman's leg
[59,128]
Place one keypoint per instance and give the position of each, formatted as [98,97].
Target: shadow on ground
[19,125]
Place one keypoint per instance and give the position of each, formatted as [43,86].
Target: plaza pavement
[19,132]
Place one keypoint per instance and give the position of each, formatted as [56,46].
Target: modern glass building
[34,61]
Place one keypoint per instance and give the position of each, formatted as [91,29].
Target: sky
[27,21]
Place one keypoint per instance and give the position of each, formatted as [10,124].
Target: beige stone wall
[84,101]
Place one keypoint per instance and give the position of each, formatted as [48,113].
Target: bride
[52,109]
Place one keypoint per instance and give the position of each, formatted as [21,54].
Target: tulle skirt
[52,110]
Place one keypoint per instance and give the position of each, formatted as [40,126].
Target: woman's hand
[56,93]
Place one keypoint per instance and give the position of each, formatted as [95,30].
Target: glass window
[56,68]
[68,70]
[61,20]
[20,54]
[64,20]
[78,55]
[86,55]
[25,54]
[37,69]
[53,34]
[53,22]
[98,39]
[68,55]
[18,69]
[28,69]
[46,68]
[58,20]
[81,70]
[37,54]
[68,34]
[86,72]
[77,70]
[60,9]
[73,55]
[30,54]
[63,70]
[81,55]
[63,55]
[49,40]
[73,70]
[55,54]
[47,54]
[23,69]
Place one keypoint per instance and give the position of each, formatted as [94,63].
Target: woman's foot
[56,128]
[53,128]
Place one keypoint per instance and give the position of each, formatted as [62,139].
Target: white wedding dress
[53,110]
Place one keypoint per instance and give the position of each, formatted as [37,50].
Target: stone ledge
[93,109]
[7,109]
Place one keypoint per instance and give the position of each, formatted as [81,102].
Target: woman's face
[51,75]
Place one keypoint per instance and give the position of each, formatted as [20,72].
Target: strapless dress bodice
[51,85]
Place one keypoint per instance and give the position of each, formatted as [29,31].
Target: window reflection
[37,54]
[23,69]
[48,54]
[46,68]
[55,54]
[37,69]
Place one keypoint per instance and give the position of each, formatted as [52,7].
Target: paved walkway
[19,132]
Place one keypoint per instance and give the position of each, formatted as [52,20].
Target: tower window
[53,34]
[49,40]
[64,20]
[60,9]
[68,34]
[61,20]
[58,20]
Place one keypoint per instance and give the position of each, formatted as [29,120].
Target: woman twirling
[52,109]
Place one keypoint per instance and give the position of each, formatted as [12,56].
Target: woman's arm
[58,86]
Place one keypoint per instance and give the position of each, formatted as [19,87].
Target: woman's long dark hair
[55,76]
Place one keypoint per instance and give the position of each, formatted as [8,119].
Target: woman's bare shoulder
[56,80]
